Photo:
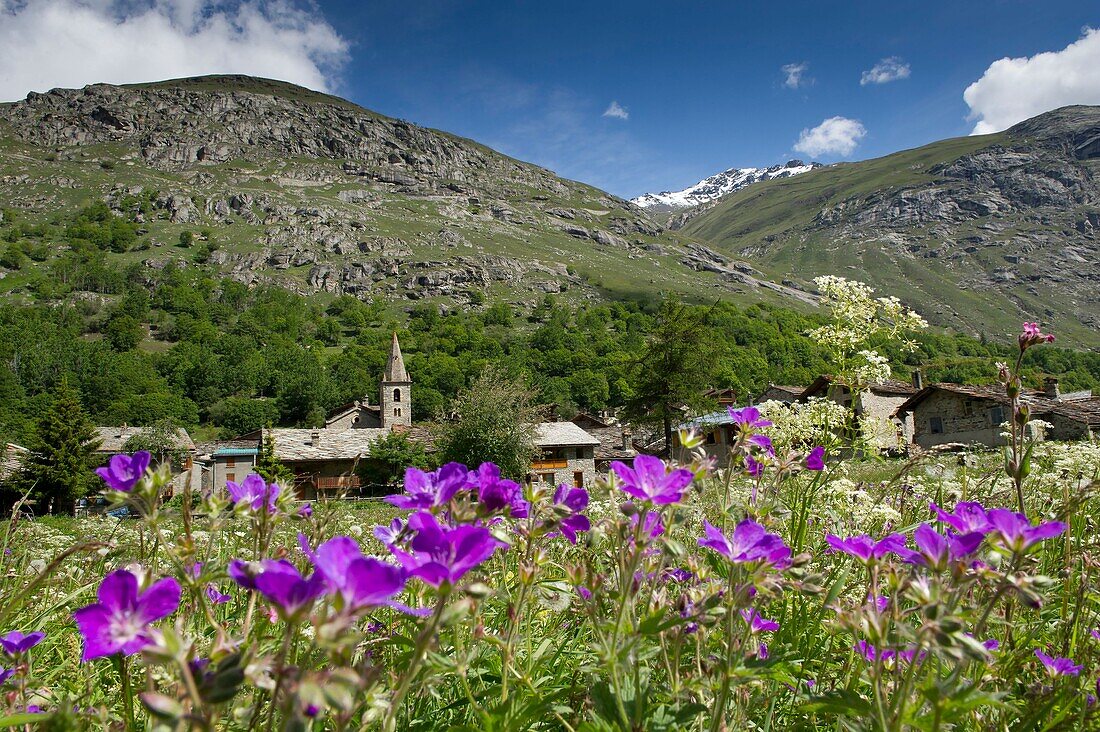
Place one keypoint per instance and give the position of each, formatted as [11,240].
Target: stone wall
[576,460]
[223,466]
[879,409]
[970,425]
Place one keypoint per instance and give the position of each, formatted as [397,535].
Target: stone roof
[352,408]
[562,434]
[395,368]
[11,460]
[1085,410]
[1079,407]
[891,387]
[301,445]
[113,439]
[611,443]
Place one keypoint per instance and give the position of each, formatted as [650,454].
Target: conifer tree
[268,466]
[59,468]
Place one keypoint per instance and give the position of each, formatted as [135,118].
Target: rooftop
[302,445]
[562,434]
[114,439]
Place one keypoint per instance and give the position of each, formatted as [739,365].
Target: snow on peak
[721,184]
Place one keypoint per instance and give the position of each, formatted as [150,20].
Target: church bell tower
[396,397]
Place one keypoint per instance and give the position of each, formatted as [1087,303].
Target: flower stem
[127,695]
[389,724]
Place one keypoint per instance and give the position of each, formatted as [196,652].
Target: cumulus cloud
[1014,89]
[795,75]
[616,110]
[834,136]
[885,71]
[70,43]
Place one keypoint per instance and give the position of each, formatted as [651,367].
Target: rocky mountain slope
[716,186]
[316,194]
[978,233]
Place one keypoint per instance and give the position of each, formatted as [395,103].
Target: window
[231,476]
[711,439]
[231,462]
[397,411]
[996,416]
[397,395]
[935,425]
[547,478]
[968,407]
[578,479]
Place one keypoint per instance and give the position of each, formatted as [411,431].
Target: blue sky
[701,86]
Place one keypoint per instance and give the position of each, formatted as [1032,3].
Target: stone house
[568,455]
[114,440]
[614,438]
[718,433]
[11,460]
[227,460]
[976,415]
[877,405]
[779,393]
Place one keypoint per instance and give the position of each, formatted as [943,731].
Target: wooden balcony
[333,482]
[555,464]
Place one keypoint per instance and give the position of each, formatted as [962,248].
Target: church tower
[396,389]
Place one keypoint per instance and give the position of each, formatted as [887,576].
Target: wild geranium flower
[16,642]
[936,551]
[968,516]
[495,494]
[119,622]
[651,528]
[286,589]
[254,493]
[754,468]
[1015,533]
[5,674]
[123,472]
[1058,666]
[750,543]
[361,581]
[758,623]
[651,480]
[244,573]
[1032,335]
[570,502]
[864,548]
[390,533]
[216,596]
[444,554]
[763,443]
[816,459]
[430,490]
[305,511]
[748,419]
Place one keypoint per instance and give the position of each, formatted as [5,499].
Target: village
[905,418]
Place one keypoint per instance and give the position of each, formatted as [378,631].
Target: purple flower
[763,443]
[651,480]
[880,603]
[495,494]
[936,551]
[750,543]
[215,596]
[748,418]
[969,516]
[389,535]
[816,459]
[1015,533]
[651,529]
[5,674]
[244,573]
[124,471]
[864,548]
[429,490]
[757,623]
[754,468]
[361,581]
[1095,634]
[16,642]
[443,554]
[584,593]
[305,511]
[571,501]
[992,644]
[762,651]
[283,586]
[1058,666]
[868,651]
[253,493]
[119,622]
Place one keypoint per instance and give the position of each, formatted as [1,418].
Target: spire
[395,368]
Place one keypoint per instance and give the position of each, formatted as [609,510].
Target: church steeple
[396,390]
[395,367]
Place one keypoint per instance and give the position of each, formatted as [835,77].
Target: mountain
[718,185]
[267,182]
[978,233]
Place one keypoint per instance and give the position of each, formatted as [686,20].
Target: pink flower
[1032,335]
[651,480]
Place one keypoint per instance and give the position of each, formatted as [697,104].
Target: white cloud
[70,43]
[617,111]
[834,136]
[1014,89]
[796,75]
[885,71]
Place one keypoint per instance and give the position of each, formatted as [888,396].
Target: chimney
[1051,389]
[918,379]
[626,440]
[315,438]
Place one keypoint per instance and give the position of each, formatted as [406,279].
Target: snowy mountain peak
[720,184]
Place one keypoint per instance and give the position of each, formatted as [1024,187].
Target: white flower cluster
[803,424]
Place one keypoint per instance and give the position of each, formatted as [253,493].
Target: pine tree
[59,468]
